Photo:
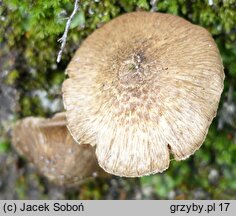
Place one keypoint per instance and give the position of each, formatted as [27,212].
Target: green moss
[31,29]
[4,145]
[12,77]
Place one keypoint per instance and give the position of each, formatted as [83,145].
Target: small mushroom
[50,147]
[142,87]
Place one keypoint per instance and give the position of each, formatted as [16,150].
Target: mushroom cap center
[133,71]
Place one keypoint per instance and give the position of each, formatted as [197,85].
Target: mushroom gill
[50,147]
[141,87]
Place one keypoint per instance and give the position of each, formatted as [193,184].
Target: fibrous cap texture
[50,147]
[142,87]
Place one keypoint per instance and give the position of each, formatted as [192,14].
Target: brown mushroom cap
[141,87]
[50,147]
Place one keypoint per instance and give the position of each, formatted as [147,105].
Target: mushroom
[50,147]
[141,88]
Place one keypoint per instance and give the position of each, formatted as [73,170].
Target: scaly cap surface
[141,87]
